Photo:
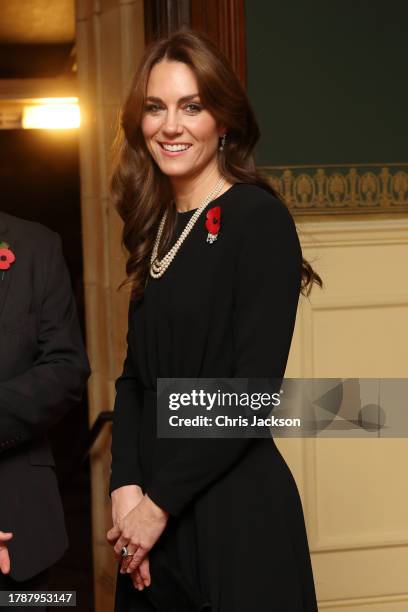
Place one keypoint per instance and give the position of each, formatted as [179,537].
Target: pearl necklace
[159,266]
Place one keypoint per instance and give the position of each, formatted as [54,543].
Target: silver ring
[125,553]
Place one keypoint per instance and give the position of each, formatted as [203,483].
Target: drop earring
[221,147]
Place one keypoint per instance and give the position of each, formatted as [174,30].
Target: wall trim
[341,189]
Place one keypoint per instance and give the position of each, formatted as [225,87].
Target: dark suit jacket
[43,372]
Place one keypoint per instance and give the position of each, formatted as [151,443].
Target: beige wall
[110,39]
[354,491]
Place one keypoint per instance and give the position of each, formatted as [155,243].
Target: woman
[202,524]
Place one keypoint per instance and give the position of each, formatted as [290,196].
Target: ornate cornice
[342,189]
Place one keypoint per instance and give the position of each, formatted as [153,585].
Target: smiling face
[181,135]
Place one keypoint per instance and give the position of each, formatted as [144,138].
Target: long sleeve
[267,286]
[125,467]
[33,401]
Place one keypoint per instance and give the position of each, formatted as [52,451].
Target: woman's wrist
[132,489]
[154,508]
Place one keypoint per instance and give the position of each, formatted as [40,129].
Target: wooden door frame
[222,20]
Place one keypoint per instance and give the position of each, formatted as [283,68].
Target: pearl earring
[221,147]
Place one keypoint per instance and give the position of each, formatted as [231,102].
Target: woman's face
[174,115]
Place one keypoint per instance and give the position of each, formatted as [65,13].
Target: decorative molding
[363,602]
[359,301]
[31,89]
[353,232]
[342,189]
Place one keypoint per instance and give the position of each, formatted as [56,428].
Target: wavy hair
[140,191]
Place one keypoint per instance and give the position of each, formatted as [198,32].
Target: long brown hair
[140,191]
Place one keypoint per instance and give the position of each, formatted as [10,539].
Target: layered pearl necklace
[159,266]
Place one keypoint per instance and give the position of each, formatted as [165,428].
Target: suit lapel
[6,277]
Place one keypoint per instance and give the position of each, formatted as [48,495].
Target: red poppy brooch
[212,223]
[7,256]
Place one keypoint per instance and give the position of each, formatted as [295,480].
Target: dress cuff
[163,496]
[125,477]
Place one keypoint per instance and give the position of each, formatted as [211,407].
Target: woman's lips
[173,153]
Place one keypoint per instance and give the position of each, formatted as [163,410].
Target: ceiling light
[52,114]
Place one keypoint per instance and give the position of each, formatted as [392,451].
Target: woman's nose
[171,123]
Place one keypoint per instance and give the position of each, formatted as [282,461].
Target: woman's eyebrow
[183,99]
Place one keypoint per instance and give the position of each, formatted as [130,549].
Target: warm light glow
[52,114]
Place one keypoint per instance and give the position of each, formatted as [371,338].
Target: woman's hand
[139,531]
[4,554]
[124,499]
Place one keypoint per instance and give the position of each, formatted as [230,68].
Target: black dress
[236,538]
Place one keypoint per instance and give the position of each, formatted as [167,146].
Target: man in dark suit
[43,373]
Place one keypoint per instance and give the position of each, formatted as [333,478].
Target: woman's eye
[191,108]
[152,108]
[195,108]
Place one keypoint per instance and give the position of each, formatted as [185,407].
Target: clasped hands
[137,524]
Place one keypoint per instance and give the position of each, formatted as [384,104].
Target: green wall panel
[328,80]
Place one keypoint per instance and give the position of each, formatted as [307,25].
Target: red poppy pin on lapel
[7,257]
[212,223]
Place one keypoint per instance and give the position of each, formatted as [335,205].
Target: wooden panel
[222,20]
[354,493]
[165,16]
[361,574]
[110,39]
